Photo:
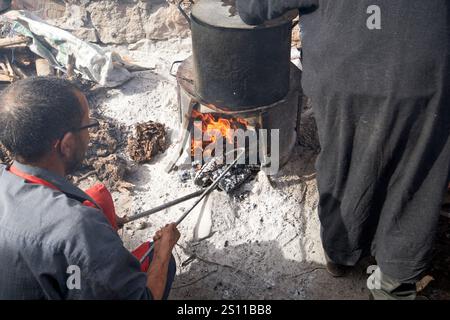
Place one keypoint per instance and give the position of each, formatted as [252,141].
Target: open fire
[266,132]
[214,128]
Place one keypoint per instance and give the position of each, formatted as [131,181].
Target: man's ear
[68,145]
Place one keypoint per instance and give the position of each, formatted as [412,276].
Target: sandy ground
[263,245]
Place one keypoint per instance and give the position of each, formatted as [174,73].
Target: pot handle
[173,65]
[185,15]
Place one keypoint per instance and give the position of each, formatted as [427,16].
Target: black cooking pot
[238,66]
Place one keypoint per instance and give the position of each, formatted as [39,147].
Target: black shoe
[336,270]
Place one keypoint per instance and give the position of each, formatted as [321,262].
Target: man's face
[82,137]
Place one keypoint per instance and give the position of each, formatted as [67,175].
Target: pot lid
[223,13]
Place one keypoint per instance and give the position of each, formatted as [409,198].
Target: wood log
[71,67]
[9,67]
[4,68]
[18,71]
[4,78]
[15,41]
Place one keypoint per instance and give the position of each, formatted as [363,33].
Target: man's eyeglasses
[94,124]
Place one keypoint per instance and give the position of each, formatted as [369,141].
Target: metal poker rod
[164,206]
[204,194]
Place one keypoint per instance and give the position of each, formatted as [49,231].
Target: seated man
[56,241]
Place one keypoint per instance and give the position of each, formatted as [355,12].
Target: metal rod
[204,194]
[164,206]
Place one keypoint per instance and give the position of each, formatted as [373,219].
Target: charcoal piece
[204,176]
[185,175]
[148,141]
[233,179]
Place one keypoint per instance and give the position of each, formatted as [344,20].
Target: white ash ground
[266,246]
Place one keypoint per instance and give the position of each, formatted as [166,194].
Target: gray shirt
[53,247]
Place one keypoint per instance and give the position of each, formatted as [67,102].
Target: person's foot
[335,269]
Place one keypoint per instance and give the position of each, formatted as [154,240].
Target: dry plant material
[148,141]
[102,159]
[111,171]
[104,141]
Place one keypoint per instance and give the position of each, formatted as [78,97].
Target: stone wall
[112,21]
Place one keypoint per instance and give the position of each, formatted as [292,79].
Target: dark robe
[381,98]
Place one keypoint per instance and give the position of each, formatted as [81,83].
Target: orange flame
[212,127]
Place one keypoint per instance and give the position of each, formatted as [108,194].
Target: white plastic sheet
[56,45]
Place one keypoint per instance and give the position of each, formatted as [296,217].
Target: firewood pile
[16,61]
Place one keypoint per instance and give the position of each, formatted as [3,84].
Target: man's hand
[165,239]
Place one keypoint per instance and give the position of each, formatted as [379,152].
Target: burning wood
[149,140]
[238,175]
[214,128]
[203,176]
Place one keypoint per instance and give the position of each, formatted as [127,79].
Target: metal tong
[204,193]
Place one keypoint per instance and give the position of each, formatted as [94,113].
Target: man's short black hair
[36,112]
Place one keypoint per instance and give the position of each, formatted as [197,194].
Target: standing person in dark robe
[377,72]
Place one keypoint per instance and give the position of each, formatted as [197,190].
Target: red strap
[31,179]
[104,200]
